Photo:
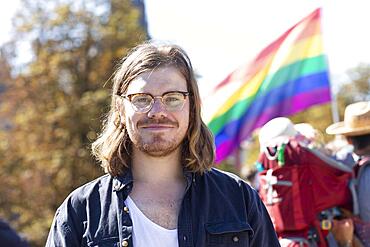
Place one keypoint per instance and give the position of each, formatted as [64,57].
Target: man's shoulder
[222,179]
[103,180]
[362,167]
[88,190]
[217,174]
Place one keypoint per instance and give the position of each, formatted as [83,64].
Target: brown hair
[113,146]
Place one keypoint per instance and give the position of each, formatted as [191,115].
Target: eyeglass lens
[172,101]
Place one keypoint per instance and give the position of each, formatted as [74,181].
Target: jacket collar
[122,181]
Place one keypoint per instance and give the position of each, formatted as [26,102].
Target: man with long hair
[160,189]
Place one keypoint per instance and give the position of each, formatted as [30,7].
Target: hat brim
[340,129]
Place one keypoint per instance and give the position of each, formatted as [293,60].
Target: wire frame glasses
[143,102]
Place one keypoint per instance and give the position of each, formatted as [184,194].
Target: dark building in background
[140,4]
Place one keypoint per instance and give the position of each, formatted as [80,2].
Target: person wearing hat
[280,130]
[356,129]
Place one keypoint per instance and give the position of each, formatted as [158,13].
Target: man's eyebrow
[169,91]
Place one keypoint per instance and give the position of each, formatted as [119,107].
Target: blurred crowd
[286,147]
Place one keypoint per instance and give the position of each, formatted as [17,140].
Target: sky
[7,11]
[220,36]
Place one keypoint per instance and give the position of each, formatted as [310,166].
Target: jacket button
[235,239]
[125,209]
[124,243]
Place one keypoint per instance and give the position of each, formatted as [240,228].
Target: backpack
[301,189]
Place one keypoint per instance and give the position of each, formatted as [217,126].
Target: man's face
[159,131]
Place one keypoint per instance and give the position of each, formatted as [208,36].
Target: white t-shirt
[146,233]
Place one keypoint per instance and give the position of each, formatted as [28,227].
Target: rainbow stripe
[288,76]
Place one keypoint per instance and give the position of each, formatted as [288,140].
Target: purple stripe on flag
[287,107]
[224,150]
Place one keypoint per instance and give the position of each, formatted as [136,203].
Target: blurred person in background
[160,189]
[250,175]
[310,136]
[274,136]
[281,130]
[9,237]
[342,151]
[356,129]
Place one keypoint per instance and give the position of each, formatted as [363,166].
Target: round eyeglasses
[143,102]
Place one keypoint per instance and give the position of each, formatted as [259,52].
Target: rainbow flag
[288,76]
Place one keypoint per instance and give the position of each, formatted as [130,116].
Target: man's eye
[141,100]
[172,99]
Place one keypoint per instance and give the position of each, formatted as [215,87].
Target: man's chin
[157,151]
[157,154]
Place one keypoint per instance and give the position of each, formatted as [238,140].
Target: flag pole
[334,105]
[238,159]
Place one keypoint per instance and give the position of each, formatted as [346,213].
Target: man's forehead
[159,80]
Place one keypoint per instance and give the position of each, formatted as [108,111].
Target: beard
[157,146]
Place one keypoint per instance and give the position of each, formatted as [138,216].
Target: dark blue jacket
[218,209]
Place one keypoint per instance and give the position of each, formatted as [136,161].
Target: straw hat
[356,121]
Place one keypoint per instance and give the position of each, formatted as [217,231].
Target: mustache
[164,121]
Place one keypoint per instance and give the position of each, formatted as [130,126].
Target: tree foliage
[54,104]
[357,88]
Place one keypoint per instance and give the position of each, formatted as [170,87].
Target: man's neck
[159,187]
[154,170]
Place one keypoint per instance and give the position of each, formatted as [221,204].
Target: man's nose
[158,110]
